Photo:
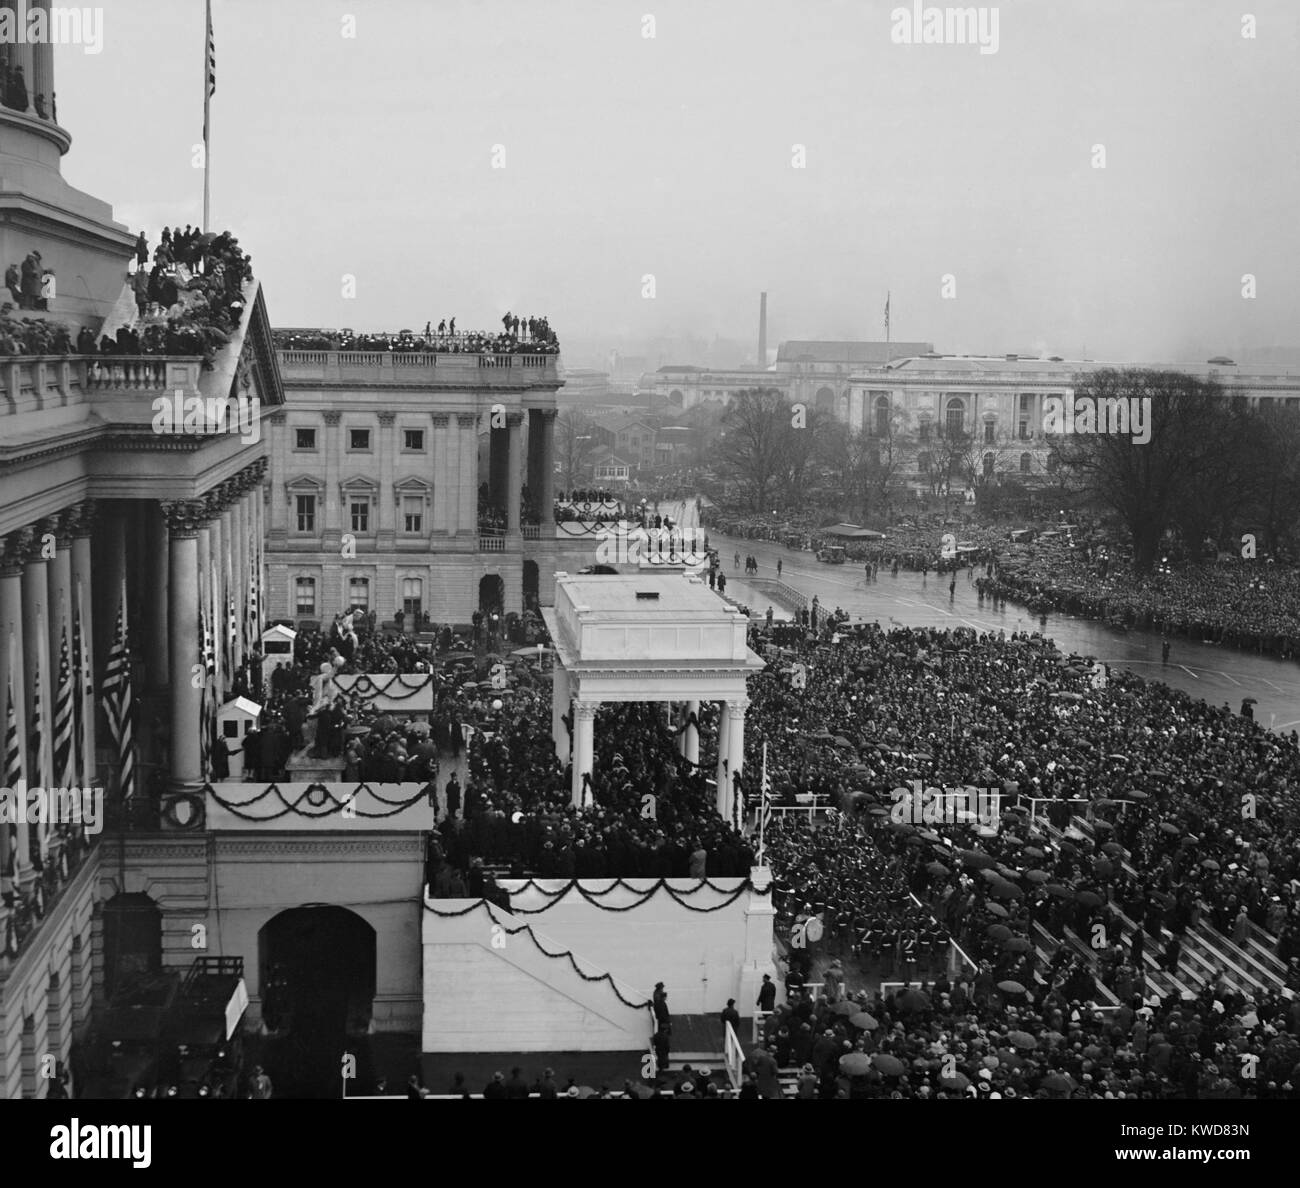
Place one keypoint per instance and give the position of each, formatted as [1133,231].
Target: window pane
[414,439]
[306,597]
[306,439]
[360,439]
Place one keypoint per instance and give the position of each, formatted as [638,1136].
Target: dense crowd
[518,336]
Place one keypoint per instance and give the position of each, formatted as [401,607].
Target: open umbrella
[1170,828]
[891,1066]
[998,932]
[1004,890]
[1112,848]
[1137,794]
[1022,1040]
[855,1064]
[996,909]
[863,1021]
[1037,876]
[1209,864]
[954,1080]
[1058,1083]
[1017,944]
[1089,898]
[534,650]
[937,868]
[1010,987]
[845,1008]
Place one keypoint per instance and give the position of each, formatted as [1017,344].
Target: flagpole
[207,108]
[764,799]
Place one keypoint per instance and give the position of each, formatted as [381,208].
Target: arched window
[955,420]
[882,416]
[1053,463]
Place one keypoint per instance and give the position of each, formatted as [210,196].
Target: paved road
[1207,671]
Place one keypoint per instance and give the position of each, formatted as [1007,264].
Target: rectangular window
[361,515]
[306,505]
[988,432]
[359,594]
[306,597]
[304,439]
[358,439]
[413,439]
[925,430]
[412,513]
[412,590]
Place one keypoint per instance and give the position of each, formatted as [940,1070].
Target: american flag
[116,692]
[232,633]
[85,696]
[65,718]
[207,704]
[764,806]
[13,751]
[211,71]
[36,737]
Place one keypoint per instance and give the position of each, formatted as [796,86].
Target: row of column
[506,465]
[46,589]
[35,58]
[578,745]
[214,550]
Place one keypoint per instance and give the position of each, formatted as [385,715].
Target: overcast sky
[627,155]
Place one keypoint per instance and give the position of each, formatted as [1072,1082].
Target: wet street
[1216,674]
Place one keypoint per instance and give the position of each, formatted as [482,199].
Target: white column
[36,661]
[514,471]
[691,734]
[155,642]
[451,484]
[584,738]
[441,474]
[735,751]
[183,627]
[468,521]
[559,708]
[723,764]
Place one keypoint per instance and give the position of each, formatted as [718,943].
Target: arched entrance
[492,593]
[317,981]
[132,939]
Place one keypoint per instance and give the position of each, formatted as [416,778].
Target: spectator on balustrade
[13,282]
[31,286]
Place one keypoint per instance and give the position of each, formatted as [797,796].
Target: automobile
[831,554]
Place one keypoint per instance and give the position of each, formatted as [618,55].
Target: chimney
[762,330]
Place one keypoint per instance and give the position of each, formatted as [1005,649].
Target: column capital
[586,710]
[87,518]
[736,709]
[15,549]
[186,516]
[547,414]
[387,419]
[277,417]
[514,419]
[441,420]
[332,419]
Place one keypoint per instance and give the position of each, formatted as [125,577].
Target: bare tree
[575,442]
[754,446]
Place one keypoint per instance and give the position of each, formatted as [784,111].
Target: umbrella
[1058,1083]
[1004,890]
[845,1008]
[855,1064]
[641,1091]
[891,1066]
[998,932]
[1250,701]
[955,1080]
[1033,852]
[996,909]
[585,1091]
[1112,848]
[864,1021]
[535,650]
[937,868]
[1089,898]
[977,859]
[1017,944]
[1009,987]
[1037,876]
[1118,758]
[1209,864]
[844,742]
[913,1000]
[1102,825]
[879,812]
[1135,794]
[1169,827]
[1022,1040]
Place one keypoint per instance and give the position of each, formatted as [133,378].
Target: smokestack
[762,330]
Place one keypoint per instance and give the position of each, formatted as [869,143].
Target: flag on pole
[887,295]
[764,806]
[13,751]
[207,702]
[116,692]
[36,733]
[209,89]
[65,717]
[85,696]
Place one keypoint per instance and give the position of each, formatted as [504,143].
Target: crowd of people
[518,336]
[14,94]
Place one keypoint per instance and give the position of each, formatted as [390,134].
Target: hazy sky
[672,155]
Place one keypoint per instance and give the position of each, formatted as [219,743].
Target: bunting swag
[398,687]
[646,893]
[319,798]
[528,928]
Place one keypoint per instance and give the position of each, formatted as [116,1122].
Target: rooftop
[835,351]
[620,596]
